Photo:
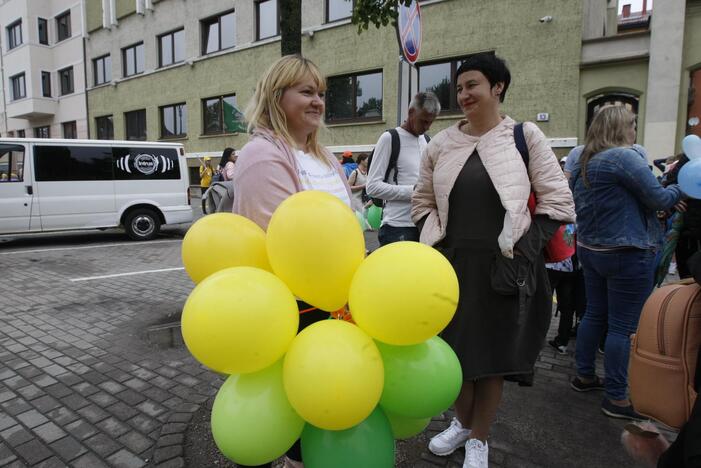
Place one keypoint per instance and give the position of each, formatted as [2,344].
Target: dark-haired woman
[357,180]
[226,165]
[618,234]
[471,202]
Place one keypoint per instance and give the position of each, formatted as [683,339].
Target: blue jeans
[617,284]
[389,234]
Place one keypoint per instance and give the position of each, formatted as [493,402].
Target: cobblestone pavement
[80,385]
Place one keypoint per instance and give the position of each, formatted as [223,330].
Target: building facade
[43,80]
[184,70]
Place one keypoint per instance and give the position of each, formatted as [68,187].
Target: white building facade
[43,73]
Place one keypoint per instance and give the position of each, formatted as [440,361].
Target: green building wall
[691,61]
[125,8]
[234,73]
[608,78]
[545,75]
[93,15]
[543,58]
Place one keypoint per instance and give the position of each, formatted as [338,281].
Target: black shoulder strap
[521,144]
[427,137]
[394,155]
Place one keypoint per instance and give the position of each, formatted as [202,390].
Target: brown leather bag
[664,352]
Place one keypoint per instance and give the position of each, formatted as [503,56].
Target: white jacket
[450,149]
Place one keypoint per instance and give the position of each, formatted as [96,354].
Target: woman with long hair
[357,180]
[227,163]
[284,156]
[471,202]
[618,233]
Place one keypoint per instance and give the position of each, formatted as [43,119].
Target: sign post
[409,36]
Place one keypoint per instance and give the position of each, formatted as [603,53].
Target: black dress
[493,334]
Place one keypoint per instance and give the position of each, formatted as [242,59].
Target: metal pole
[399,91]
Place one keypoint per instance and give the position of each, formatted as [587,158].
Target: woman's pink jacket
[266,174]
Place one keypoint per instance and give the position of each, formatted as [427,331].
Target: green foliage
[377,12]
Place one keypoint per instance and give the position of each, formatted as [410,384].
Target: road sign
[409,30]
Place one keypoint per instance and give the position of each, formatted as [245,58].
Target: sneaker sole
[588,389]
[445,454]
[621,416]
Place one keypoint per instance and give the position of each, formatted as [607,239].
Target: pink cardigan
[265,175]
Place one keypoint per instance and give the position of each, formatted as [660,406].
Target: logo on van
[145,163]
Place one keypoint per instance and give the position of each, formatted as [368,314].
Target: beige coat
[450,149]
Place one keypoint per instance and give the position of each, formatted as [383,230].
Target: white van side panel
[77,205]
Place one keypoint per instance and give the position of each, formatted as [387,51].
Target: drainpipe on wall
[85,88]
[4,94]
[85,67]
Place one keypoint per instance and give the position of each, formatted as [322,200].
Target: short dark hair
[361,157]
[491,66]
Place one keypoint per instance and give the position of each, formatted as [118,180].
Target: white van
[53,185]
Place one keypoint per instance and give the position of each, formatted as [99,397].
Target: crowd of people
[466,192]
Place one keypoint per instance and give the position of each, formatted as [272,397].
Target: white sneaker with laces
[449,440]
[476,454]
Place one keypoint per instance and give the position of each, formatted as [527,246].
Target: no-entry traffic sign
[409,30]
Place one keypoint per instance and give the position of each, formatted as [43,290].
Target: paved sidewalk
[80,385]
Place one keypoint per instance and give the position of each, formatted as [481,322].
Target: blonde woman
[618,234]
[284,157]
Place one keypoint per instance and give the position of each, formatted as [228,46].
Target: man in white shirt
[396,185]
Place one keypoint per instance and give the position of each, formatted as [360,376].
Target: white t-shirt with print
[314,174]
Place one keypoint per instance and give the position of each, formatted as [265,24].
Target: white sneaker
[449,440]
[476,454]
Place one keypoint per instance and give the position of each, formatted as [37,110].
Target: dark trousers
[686,247]
[389,234]
[564,284]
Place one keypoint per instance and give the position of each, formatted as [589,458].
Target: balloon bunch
[347,386]
[690,174]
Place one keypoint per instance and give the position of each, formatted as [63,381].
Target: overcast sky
[635,5]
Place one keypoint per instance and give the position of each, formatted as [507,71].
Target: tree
[290,27]
[378,12]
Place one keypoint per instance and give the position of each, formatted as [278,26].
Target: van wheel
[142,224]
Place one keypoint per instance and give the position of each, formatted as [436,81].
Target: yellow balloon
[333,375]
[239,320]
[315,245]
[223,240]
[404,293]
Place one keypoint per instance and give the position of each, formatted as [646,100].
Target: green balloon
[375,216]
[404,428]
[252,420]
[421,380]
[369,444]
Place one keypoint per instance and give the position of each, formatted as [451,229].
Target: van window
[62,163]
[11,163]
[140,163]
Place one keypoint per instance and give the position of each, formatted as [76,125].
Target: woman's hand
[681,206]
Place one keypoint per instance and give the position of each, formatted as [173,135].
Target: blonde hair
[264,110]
[608,129]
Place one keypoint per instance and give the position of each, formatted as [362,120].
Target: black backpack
[521,145]
[391,165]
